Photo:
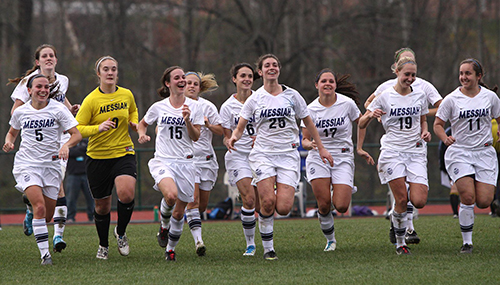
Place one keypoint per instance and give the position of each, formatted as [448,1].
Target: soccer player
[237,165]
[204,155]
[179,120]
[434,99]
[403,155]
[37,168]
[274,158]
[470,159]
[333,113]
[45,63]
[105,116]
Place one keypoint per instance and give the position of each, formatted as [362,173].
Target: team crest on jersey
[235,173]
[456,171]
[26,178]
[312,170]
[258,172]
[389,171]
[161,172]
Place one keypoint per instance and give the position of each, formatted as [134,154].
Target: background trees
[146,36]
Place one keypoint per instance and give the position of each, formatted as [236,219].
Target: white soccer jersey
[41,132]
[275,116]
[61,84]
[172,139]
[402,120]
[230,116]
[203,146]
[430,91]
[334,124]
[470,117]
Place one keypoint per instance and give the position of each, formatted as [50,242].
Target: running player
[470,159]
[333,113]
[204,154]
[105,116]
[403,155]
[37,169]
[237,166]
[274,158]
[434,99]
[45,63]
[179,121]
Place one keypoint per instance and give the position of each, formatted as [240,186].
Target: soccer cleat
[466,248]
[455,216]
[270,255]
[250,251]
[102,252]
[392,234]
[59,244]
[411,237]
[162,237]
[47,259]
[330,246]
[200,248]
[403,250]
[28,223]
[170,255]
[122,241]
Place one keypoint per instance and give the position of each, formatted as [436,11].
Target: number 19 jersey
[402,120]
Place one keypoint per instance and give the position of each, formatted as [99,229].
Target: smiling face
[244,79]
[47,59]
[192,86]
[39,90]
[469,79]
[108,72]
[406,75]
[270,69]
[177,83]
[326,84]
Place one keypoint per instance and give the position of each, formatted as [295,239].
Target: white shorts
[181,171]
[394,164]
[342,171]
[285,166]
[49,179]
[237,166]
[482,163]
[206,174]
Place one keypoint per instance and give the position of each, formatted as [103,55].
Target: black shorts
[101,173]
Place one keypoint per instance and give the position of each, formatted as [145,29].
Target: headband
[403,50]
[30,81]
[477,63]
[101,60]
[193,73]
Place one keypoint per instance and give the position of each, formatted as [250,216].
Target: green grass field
[363,256]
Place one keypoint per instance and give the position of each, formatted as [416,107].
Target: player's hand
[426,136]
[449,141]
[75,108]
[326,157]
[368,158]
[378,113]
[106,125]
[144,138]
[186,113]
[133,126]
[64,152]
[8,146]
[230,143]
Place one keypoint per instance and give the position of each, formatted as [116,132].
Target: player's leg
[248,194]
[60,215]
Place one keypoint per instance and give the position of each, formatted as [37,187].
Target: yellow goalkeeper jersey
[98,107]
